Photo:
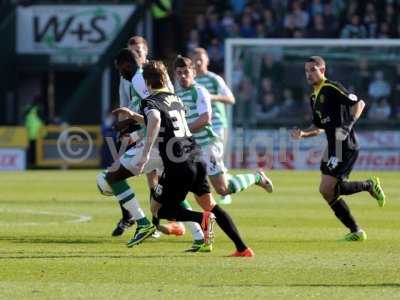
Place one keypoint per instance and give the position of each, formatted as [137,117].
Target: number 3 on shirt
[181,128]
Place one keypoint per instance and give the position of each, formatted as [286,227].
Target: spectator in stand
[288,106]
[371,20]
[244,108]
[267,87]
[331,21]
[246,28]
[201,26]
[268,108]
[354,30]
[384,31]
[228,20]
[298,16]
[380,110]
[271,26]
[194,41]
[390,16]
[216,55]
[379,88]
[214,25]
[316,8]
[361,78]
[289,26]
[305,110]
[271,68]
[318,29]
[260,31]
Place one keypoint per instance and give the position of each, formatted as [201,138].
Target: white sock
[134,209]
[195,229]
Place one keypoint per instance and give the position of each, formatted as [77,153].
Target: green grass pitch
[45,253]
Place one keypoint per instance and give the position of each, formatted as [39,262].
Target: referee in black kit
[335,111]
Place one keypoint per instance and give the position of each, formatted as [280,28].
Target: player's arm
[203,120]
[225,94]
[203,109]
[311,131]
[223,99]
[356,108]
[124,111]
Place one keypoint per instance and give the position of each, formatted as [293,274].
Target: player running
[129,65]
[335,111]
[220,95]
[199,113]
[164,115]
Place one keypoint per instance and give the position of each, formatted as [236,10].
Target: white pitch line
[77,217]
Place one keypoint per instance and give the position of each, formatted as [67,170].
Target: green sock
[238,183]
[143,222]
[122,191]
[126,197]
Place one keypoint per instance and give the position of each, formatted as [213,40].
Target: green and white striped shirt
[216,86]
[197,101]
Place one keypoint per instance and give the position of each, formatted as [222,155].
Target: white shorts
[213,156]
[221,133]
[131,157]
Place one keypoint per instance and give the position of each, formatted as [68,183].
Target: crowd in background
[274,96]
[292,19]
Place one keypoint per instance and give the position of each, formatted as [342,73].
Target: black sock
[125,214]
[180,214]
[352,187]
[225,221]
[342,212]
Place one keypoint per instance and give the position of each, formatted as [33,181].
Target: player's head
[138,45]
[126,63]
[184,71]
[200,59]
[315,70]
[155,74]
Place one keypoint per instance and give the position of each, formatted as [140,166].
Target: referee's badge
[322,98]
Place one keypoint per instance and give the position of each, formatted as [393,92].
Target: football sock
[352,187]
[342,212]
[238,183]
[127,199]
[194,227]
[225,221]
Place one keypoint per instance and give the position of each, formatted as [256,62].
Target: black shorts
[340,169]
[175,183]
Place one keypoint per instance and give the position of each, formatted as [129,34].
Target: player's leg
[175,228]
[206,201]
[345,187]
[225,184]
[327,189]
[226,223]
[371,185]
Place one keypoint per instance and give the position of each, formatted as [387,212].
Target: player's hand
[122,110]
[141,164]
[296,133]
[341,133]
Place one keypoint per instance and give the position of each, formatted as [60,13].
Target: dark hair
[155,74]
[182,62]
[124,55]
[317,59]
[136,40]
